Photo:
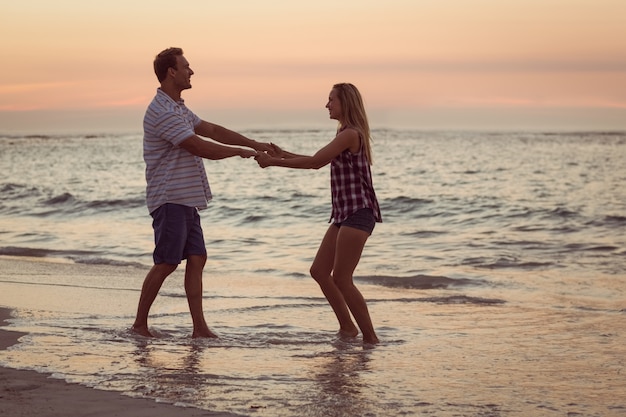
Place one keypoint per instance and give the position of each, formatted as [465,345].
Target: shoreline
[26,393]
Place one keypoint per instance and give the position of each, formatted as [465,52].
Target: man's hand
[247,153]
[269,148]
[275,151]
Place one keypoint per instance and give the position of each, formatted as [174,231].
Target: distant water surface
[450,200]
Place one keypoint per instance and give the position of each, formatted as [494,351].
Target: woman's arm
[348,139]
[280,153]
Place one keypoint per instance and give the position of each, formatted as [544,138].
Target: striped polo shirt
[351,186]
[173,175]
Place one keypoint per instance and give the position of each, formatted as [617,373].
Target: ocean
[496,281]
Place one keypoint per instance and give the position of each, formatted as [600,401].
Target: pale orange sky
[492,64]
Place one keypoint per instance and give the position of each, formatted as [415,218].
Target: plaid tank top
[351,186]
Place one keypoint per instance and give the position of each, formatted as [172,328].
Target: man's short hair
[165,60]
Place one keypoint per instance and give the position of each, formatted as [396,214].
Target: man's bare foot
[141,331]
[206,333]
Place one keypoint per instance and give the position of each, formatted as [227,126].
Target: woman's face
[334,105]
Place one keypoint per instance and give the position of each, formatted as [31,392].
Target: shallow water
[496,282]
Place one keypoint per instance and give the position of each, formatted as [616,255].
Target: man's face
[182,73]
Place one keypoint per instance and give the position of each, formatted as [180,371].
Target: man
[177,185]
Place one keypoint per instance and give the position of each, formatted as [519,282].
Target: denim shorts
[362,219]
[177,234]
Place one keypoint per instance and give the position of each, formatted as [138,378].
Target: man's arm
[229,137]
[210,150]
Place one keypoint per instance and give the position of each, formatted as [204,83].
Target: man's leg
[151,286]
[193,289]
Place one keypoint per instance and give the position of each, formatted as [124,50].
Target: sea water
[495,282]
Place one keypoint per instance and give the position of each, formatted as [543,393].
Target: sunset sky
[424,64]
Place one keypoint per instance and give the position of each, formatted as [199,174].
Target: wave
[17,191]
[577,247]
[106,261]
[31,200]
[480,208]
[37,252]
[452,299]
[561,212]
[422,233]
[134,202]
[60,199]
[65,136]
[76,256]
[608,220]
[402,205]
[423,282]
[505,263]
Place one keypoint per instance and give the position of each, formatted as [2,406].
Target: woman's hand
[263,159]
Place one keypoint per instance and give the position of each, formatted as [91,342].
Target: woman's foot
[347,333]
[371,340]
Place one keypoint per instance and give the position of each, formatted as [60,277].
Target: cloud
[125,102]
[324,68]
[33,87]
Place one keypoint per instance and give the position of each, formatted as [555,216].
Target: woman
[355,208]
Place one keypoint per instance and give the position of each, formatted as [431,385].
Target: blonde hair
[354,116]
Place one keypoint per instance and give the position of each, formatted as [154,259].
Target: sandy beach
[448,348]
[29,393]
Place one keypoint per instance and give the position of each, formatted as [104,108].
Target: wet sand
[29,393]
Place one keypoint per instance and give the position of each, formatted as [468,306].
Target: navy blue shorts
[177,234]
[362,219]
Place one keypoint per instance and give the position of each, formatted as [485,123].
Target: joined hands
[264,157]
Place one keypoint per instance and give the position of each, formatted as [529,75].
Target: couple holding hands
[177,187]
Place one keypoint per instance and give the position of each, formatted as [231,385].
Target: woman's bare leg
[349,247]
[321,271]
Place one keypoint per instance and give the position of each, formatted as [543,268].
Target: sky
[86,65]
